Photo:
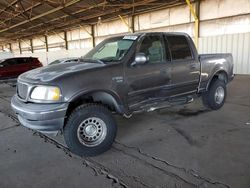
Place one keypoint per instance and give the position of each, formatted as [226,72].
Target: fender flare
[217,72]
[107,97]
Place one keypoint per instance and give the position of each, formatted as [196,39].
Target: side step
[181,100]
[164,104]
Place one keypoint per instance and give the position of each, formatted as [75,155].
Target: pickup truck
[122,75]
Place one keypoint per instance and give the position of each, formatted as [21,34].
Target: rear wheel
[90,130]
[215,97]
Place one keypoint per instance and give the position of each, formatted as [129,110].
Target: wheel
[215,97]
[90,130]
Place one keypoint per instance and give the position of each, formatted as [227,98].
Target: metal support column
[10,47]
[197,10]
[31,46]
[195,14]
[46,43]
[20,47]
[66,40]
[133,23]
[93,35]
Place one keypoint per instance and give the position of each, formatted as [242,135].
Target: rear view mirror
[140,59]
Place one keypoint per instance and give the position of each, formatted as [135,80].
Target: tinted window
[9,62]
[22,60]
[153,48]
[179,47]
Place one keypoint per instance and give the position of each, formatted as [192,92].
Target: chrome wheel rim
[219,95]
[92,131]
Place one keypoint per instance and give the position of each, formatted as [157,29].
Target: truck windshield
[111,50]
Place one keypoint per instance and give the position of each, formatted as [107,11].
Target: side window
[9,62]
[179,47]
[153,48]
[21,61]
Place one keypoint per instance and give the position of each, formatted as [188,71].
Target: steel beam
[10,47]
[197,9]
[20,47]
[11,4]
[126,23]
[71,23]
[66,40]
[18,14]
[41,15]
[197,22]
[93,35]
[133,23]
[46,43]
[31,46]
[96,15]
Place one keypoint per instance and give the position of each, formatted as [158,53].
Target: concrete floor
[187,146]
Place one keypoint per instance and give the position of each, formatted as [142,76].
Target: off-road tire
[209,99]
[79,115]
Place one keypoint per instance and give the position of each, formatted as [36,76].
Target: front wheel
[90,130]
[215,97]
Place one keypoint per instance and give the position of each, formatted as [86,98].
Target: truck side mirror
[140,59]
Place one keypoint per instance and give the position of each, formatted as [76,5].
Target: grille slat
[22,90]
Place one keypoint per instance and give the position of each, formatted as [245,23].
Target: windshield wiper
[88,60]
[109,59]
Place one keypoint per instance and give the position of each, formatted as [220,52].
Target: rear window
[179,47]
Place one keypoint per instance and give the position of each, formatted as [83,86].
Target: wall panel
[237,44]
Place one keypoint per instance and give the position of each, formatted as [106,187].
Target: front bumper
[46,118]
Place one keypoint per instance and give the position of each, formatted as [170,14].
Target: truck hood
[49,73]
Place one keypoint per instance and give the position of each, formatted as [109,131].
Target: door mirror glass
[140,59]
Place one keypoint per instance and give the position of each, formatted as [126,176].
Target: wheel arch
[106,97]
[219,74]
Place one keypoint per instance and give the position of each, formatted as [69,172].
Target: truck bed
[212,64]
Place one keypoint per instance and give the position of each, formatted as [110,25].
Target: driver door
[146,82]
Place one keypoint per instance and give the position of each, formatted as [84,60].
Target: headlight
[46,93]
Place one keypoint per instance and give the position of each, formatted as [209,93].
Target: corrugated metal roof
[26,18]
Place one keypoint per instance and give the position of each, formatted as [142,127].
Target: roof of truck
[170,33]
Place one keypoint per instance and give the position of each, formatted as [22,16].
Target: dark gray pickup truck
[122,75]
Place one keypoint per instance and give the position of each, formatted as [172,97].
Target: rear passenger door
[185,67]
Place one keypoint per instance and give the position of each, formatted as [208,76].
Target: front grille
[22,90]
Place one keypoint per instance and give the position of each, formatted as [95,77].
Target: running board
[164,104]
